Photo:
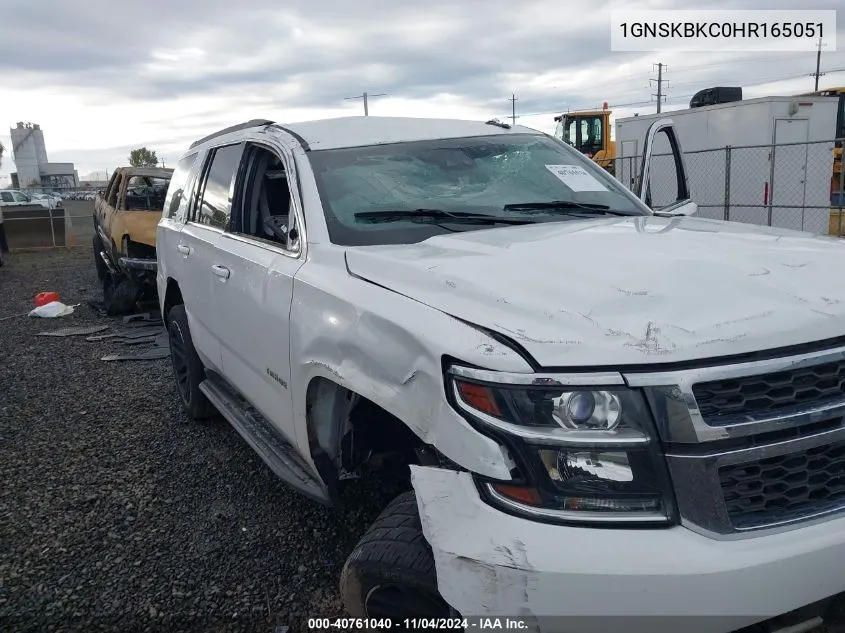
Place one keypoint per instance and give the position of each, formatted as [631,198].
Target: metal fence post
[841,193]
[52,230]
[771,192]
[727,183]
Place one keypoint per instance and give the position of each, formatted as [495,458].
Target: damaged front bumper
[560,578]
[139,264]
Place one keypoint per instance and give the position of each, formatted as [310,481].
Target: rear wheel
[391,572]
[188,369]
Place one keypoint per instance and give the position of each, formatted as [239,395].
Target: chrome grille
[753,446]
[784,487]
[769,393]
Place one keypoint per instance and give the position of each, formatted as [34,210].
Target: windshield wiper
[566,205]
[423,215]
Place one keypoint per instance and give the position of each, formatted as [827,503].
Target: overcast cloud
[102,77]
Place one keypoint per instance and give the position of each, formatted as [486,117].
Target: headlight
[585,451]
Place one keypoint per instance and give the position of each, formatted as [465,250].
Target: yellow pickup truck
[125,218]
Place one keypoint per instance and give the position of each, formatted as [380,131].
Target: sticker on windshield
[576,178]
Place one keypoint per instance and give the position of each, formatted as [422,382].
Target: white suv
[605,413]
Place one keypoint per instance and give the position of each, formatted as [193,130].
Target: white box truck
[761,161]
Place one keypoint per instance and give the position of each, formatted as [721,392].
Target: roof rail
[233,128]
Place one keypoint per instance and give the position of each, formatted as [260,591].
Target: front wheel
[391,572]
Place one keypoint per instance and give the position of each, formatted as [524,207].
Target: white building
[33,169]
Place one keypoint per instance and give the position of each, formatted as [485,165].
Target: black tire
[391,572]
[188,369]
[120,294]
[102,270]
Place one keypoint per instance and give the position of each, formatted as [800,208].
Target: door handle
[221,271]
[182,248]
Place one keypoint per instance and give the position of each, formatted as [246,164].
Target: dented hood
[638,290]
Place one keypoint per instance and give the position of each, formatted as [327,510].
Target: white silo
[40,147]
[26,154]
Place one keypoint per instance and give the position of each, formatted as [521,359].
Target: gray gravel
[117,513]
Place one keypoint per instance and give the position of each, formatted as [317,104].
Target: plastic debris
[140,320]
[156,353]
[43,298]
[160,350]
[74,331]
[135,333]
[51,310]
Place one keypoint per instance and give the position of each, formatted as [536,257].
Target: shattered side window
[146,193]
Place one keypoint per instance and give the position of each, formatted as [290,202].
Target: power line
[365,96]
[637,76]
[675,98]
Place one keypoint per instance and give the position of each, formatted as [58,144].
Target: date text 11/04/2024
[386,624]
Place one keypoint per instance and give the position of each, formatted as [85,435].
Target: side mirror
[682,204]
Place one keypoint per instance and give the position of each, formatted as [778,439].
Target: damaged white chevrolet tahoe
[607,412]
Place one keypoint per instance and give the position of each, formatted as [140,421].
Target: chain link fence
[34,225]
[50,215]
[787,185]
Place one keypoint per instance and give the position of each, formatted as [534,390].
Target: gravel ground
[117,513]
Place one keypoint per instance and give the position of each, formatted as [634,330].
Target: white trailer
[776,171]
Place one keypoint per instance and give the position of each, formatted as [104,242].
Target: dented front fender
[390,350]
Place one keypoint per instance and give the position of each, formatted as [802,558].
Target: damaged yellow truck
[125,218]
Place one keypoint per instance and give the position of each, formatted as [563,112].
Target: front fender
[389,348]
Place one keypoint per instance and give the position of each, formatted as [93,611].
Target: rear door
[198,246]
[177,204]
[109,211]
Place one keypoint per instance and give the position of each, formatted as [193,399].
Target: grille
[770,393]
[786,487]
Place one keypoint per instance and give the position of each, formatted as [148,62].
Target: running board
[264,439]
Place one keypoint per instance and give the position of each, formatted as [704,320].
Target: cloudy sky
[102,77]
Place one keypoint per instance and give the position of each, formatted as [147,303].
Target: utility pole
[818,74]
[365,96]
[513,101]
[660,94]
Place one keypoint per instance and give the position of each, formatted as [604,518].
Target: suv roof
[356,131]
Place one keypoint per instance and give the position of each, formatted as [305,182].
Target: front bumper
[139,264]
[559,578]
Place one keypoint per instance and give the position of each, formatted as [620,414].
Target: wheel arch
[172,297]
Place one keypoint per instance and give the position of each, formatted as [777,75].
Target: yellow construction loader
[837,190]
[589,132]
